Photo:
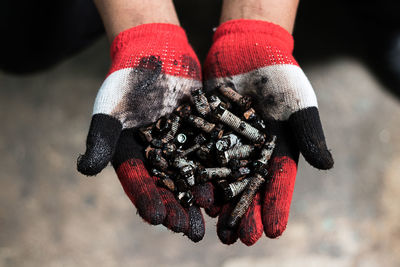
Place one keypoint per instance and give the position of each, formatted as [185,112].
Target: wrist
[280,12]
[120,15]
[255,30]
[149,32]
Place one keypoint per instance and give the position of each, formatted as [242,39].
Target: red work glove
[255,58]
[153,68]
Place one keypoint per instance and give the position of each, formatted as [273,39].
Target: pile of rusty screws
[217,139]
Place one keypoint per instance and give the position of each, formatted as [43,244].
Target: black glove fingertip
[307,129]
[196,229]
[100,144]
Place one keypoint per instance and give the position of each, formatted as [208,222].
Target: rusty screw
[237,152]
[239,126]
[242,101]
[230,190]
[201,102]
[207,174]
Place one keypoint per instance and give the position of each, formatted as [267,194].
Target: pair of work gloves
[154,68]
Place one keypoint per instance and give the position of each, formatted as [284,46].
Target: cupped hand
[255,58]
[153,69]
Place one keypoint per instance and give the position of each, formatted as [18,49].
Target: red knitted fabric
[255,57]
[140,188]
[278,196]
[171,47]
[235,51]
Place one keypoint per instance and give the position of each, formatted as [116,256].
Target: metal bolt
[169,149]
[249,114]
[181,139]
[207,174]
[200,139]
[242,101]
[243,171]
[162,125]
[237,152]
[147,133]
[175,124]
[183,110]
[201,102]
[238,125]
[187,173]
[230,190]
[236,164]
[156,159]
[205,150]
[265,155]
[245,200]
[201,123]
[215,101]
[254,120]
[187,168]
[227,141]
[180,162]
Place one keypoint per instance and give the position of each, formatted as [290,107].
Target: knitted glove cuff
[274,33]
[155,32]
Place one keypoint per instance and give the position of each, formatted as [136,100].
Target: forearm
[120,15]
[281,12]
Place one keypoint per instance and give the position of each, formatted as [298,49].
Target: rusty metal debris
[217,139]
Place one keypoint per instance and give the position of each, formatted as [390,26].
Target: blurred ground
[50,215]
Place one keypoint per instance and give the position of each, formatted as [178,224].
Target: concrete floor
[50,215]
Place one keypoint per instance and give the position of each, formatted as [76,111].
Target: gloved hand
[153,68]
[255,58]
